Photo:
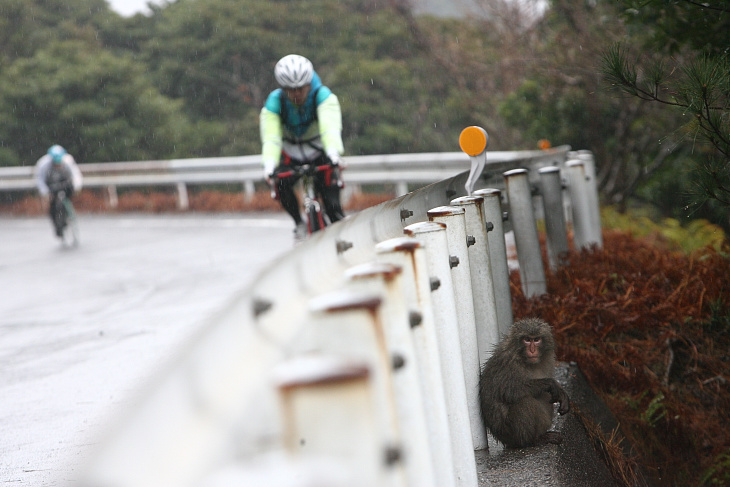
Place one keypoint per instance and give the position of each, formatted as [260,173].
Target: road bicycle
[314,216]
[68,221]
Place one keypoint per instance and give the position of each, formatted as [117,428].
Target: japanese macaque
[517,389]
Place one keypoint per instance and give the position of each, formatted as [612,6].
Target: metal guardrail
[399,169]
[347,362]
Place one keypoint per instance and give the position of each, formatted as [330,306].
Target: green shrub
[697,234]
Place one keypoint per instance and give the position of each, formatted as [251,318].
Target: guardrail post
[348,192]
[433,236]
[580,204]
[498,256]
[385,279]
[522,216]
[182,196]
[551,188]
[348,323]
[454,218]
[328,411]
[401,188]
[589,163]
[409,255]
[485,307]
[113,199]
[249,189]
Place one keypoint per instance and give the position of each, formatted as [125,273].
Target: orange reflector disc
[473,140]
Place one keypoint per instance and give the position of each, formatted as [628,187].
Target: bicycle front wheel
[315,219]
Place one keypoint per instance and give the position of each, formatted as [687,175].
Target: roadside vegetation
[647,319]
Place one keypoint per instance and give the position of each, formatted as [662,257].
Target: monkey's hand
[564,401]
[564,406]
[557,394]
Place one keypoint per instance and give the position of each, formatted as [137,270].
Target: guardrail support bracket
[261,306]
[343,246]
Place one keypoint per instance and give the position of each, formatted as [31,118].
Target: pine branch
[620,73]
[707,6]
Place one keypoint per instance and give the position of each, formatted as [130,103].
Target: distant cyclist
[302,122]
[57,176]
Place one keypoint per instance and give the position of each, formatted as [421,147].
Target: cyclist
[301,122]
[56,173]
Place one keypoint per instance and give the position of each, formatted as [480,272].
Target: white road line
[205,223]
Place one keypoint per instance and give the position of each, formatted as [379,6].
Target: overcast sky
[131,7]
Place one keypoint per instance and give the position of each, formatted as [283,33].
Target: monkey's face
[532,349]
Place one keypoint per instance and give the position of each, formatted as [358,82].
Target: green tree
[684,66]
[101,107]
[29,25]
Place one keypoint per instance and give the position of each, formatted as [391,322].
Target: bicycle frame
[312,207]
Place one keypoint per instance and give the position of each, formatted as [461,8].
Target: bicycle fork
[312,207]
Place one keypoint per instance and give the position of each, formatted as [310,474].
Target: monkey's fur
[517,395]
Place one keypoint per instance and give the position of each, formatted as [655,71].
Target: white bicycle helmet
[293,71]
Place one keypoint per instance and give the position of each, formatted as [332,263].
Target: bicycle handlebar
[302,169]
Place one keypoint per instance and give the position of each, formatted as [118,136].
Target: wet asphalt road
[82,328]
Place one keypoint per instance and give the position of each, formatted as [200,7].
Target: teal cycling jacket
[301,131]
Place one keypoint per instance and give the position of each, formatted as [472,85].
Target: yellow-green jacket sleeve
[271,134]
[330,126]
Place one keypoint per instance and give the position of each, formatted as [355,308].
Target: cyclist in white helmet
[302,122]
[57,176]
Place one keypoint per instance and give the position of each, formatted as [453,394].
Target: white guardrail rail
[352,360]
[399,169]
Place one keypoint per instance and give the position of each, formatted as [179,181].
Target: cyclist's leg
[326,183]
[287,198]
[285,188]
[58,214]
[52,211]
